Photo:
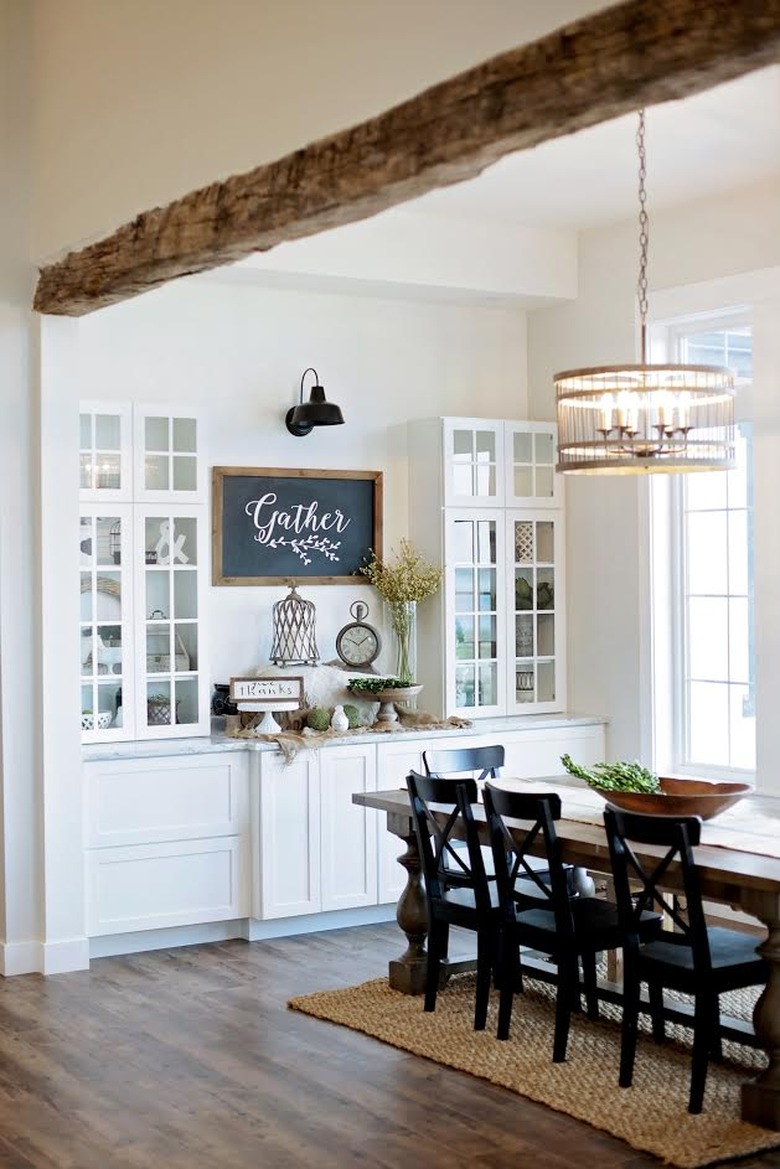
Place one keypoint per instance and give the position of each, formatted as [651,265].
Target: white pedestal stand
[268,724]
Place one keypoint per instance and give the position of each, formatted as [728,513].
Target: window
[712,527]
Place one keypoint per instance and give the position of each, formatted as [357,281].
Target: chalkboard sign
[277,524]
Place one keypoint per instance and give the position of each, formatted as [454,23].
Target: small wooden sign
[277,524]
[286,692]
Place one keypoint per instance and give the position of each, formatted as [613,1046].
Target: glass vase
[403,619]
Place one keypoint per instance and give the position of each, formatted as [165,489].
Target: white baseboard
[113,945]
[44,957]
[21,958]
[315,923]
[59,957]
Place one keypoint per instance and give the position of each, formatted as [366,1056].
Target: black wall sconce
[302,418]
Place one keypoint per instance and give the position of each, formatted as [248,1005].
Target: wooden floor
[189,1058]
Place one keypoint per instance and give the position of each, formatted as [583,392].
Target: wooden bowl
[683,797]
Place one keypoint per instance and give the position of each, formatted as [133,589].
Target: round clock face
[358,644]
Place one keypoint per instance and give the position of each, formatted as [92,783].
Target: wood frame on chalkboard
[303,573]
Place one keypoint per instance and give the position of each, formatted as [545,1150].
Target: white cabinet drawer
[158,885]
[142,801]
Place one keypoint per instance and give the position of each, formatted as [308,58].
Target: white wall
[602,514]
[446,257]
[607,534]
[239,351]
[20,722]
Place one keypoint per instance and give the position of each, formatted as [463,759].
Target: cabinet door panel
[348,832]
[105,541]
[473,457]
[161,885]
[105,451]
[170,550]
[290,836]
[530,454]
[536,609]
[475,608]
[169,459]
[141,801]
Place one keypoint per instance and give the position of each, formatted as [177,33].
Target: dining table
[738,863]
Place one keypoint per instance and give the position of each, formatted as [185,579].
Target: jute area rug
[651,1116]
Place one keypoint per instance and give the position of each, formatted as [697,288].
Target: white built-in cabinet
[167,842]
[143,543]
[486,503]
[317,850]
[186,839]
[492,463]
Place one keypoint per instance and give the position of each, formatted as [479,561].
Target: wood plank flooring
[189,1057]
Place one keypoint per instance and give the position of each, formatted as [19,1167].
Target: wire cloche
[294,642]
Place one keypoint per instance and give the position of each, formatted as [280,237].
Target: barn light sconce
[302,418]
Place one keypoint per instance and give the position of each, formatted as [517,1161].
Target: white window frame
[675,333]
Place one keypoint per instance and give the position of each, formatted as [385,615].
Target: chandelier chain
[644,224]
[644,417]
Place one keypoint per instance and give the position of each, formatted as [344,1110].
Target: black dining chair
[539,912]
[457,889]
[478,763]
[694,958]
[486,760]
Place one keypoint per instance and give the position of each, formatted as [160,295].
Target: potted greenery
[158,710]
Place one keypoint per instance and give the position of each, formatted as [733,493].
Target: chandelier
[635,419]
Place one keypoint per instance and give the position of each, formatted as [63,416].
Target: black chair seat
[728,948]
[596,925]
[466,899]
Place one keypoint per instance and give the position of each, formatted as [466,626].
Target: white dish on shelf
[90,722]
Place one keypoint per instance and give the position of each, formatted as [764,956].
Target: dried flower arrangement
[402,583]
[410,577]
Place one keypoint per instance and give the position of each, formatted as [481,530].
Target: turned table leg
[407,973]
[761,1097]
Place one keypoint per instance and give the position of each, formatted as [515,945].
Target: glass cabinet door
[105,464]
[473,462]
[166,456]
[106,620]
[536,608]
[475,586]
[170,551]
[530,455]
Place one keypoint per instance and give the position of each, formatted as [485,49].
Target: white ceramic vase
[339,720]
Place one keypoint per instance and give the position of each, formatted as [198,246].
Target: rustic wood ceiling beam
[639,52]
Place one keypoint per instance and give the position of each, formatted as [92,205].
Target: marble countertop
[219,741]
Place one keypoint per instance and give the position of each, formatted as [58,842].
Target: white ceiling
[719,140]
[724,139]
